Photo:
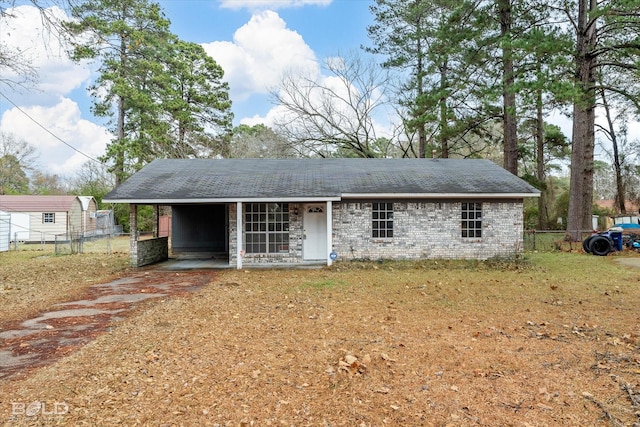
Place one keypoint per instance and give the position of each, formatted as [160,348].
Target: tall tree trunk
[422,134]
[543,200]
[119,157]
[508,96]
[444,114]
[620,199]
[583,140]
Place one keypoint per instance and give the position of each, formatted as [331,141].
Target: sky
[254,41]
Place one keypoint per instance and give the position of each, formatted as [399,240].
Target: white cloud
[23,31]
[271,4]
[64,121]
[272,117]
[261,52]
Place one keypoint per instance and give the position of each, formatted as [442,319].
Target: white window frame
[48,218]
[382,220]
[266,228]
[471,220]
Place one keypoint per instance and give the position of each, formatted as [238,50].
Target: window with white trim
[471,224]
[266,228]
[48,217]
[382,220]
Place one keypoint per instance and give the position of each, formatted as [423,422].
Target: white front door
[314,221]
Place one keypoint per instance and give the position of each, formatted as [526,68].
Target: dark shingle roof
[185,180]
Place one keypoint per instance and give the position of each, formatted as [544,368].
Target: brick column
[239,251]
[133,234]
[156,221]
[329,232]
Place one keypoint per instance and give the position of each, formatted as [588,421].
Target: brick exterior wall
[150,251]
[422,230]
[428,230]
[294,255]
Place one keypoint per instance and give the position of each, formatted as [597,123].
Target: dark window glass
[267,227]
[382,220]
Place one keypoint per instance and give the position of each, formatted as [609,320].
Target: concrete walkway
[178,264]
[39,341]
[629,262]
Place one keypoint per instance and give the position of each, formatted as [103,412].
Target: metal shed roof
[35,203]
[170,181]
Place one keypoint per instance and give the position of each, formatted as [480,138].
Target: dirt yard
[551,341]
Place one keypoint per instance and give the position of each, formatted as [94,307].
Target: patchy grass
[105,245]
[99,245]
[552,340]
[326,283]
[33,280]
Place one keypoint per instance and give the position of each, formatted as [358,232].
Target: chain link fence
[551,240]
[106,243]
[117,241]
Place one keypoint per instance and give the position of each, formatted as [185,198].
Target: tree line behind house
[471,78]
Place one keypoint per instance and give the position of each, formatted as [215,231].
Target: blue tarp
[628,225]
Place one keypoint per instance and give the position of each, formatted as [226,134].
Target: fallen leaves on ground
[400,344]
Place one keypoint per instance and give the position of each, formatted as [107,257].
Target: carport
[198,231]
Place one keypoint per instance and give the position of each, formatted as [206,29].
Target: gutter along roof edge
[147,201]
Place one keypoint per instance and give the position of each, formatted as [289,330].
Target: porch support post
[156,221]
[329,232]
[239,251]
[133,234]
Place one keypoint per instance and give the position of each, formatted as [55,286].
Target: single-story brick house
[37,218]
[254,212]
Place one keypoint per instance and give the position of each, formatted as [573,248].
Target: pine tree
[164,97]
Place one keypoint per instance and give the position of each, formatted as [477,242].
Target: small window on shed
[48,218]
[382,220]
[471,224]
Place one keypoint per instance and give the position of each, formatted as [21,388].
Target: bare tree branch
[339,114]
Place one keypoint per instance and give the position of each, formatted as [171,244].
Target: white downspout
[329,232]
[239,250]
